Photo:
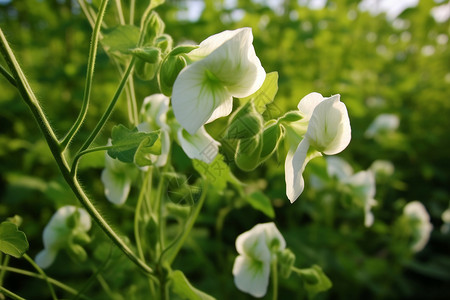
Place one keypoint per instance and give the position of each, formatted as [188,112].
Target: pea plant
[222,79]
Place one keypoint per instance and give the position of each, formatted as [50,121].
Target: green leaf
[217,173]
[121,38]
[271,138]
[315,281]
[261,202]
[130,144]
[12,241]
[265,94]
[182,287]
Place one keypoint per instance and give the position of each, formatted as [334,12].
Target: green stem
[132,9]
[3,271]
[77,157]
[175,248]
[7,76]
[120,12]
[89,76]
[30,99]
[137,235]
[40,271]
[39,276]
[10,294]
[109,109]
[274,276]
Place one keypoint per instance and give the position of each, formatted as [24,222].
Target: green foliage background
[378,66]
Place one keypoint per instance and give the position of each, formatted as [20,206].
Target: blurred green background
[378,64]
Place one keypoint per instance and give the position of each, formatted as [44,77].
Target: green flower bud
[164,42]
[248,153]
[171,66]
[76,252]
[272,135]
[144,70]
[150,55]
[246,122]
[178,211]
[81,237]
[153,26]
[286,259]
[73,220]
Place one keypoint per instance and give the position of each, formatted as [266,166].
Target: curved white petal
[154,110]
[117,186]
[236,65]
[308,103]
[273,236]
[198,146]
[224,109]
[251,276]
[417,211]
[213,42]
[196,94]
[329,127]
[382,123]
[45,258]
[338,167]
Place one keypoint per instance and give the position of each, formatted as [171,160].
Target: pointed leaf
[315,281]
[261,202]
[265,94]
[182,287]
[126,143]
[217,172]
[12,241]
[121,38]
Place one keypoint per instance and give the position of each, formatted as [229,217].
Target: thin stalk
[187,229]
[137,235]
[7,76]
[30,99]
[159,211]
[40,271]
[132,99]
[89,76]
[132,9]
[77,157]
[10,294]
[39,276]
[3,271]
[274,278]
[109,109]
[120,12]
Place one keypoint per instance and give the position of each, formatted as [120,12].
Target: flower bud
[164,42]
[153,26]
[150,55]
[248,152]
[286,259]
[246,122]
[171,66]
[271,137]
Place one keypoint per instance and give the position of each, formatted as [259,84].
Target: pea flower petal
[328,132]
[199,146]
[256,248]
[226,67]
[417,212]
[154,112]
[116,180]
[57,233]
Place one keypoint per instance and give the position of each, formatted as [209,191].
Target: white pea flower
[58,233]
[328,132]
[225,66]
[199,146]
[362,184]
[363,188]
[422,226]
[256,247]
[383,123]
[117,178]
[382,168]
[154,112]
